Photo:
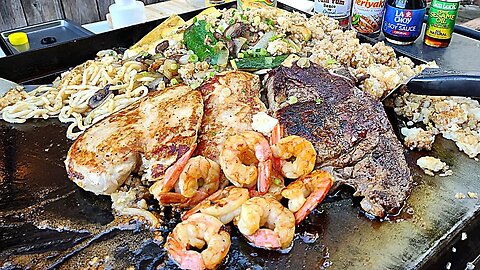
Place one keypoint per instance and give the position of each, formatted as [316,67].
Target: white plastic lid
[124,2]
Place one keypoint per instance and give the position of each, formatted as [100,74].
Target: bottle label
[403,22]
[441,19]
[367,15]
[333,8]
[242,3]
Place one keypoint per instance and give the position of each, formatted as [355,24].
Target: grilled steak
[230,100]
[152,132]
[349,130]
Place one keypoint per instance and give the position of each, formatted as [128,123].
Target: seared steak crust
[350,132]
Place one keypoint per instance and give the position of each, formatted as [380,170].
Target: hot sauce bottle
[403,20]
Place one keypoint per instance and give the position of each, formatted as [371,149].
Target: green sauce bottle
[440,23]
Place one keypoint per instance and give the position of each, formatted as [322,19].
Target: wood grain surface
[11,15]
[37,11]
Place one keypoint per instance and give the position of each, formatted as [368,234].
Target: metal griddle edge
[42,66]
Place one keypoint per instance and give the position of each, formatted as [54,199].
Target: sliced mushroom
[99,96]
[235,30]
[162,46]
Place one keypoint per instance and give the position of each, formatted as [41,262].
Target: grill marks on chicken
[149,135]
[230,101]
[349,130]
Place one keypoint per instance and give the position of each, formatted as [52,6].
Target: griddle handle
[446,83]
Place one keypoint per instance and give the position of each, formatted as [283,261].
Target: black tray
[46,221]
[58,31]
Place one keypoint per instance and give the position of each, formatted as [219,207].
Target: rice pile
[456,118]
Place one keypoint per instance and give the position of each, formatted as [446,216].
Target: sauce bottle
[403,20]
[249,3]
[367,16]
[440,23]
[127,12]
[336,9]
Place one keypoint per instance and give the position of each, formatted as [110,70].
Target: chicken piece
[150,134]
[231,99]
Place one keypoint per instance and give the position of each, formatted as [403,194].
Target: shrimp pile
[257,169]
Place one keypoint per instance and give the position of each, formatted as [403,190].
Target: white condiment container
[127,12]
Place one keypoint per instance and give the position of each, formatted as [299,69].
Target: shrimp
[298,149]
[307,192]
[197,231]
[224,204]
[172,173]
[276,186]
[266,223]
[199,178]
[200,174]
[246,160]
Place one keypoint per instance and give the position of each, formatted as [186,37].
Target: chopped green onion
[241,55]
[231,21]
[330,62]
[318,101]
[221,28]
[211,74]
[228,37]
[263,52]
[195,19]
[273,38]
[195,85]
[256,19]
[277,181]
[193,58]
[292,100]
[144,73]
[270,22]
[174,81]
[173,66]
[208,27]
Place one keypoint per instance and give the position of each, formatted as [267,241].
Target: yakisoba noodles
[68,98]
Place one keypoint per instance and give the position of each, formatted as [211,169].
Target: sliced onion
[263,42]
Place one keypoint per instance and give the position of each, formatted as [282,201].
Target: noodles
[68,98]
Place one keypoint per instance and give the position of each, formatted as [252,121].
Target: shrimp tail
[277,134]
[264,155]
[265,238]
[264,176]
[177,199]
[315,198]
[173,172]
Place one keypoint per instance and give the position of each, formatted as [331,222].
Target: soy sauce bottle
[403,20]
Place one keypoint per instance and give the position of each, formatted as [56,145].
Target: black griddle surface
[46,221]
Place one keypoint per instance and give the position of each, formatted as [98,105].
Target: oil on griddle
[48,222]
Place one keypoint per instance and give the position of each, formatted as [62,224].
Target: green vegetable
[193,58]
[261,62]
[195,85]
[355,18]
[270,22]
[241,55]
[277,181]
[318,101]
[292,100]
[196,37]
[331,62]
[174,81]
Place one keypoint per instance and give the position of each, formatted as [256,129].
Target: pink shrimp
[266,223]
[196,232]
[307,192]
[246,160]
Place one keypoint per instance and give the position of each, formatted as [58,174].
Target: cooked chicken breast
[230,100]
[150,134]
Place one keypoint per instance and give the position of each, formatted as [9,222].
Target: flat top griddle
[46,221]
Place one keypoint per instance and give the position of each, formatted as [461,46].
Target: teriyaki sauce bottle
[403,20]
